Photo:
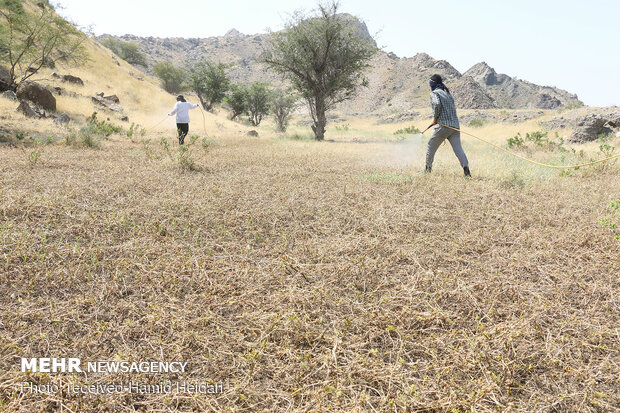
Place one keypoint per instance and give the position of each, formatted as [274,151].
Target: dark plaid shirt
[444,110]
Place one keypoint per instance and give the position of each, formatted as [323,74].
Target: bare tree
[31,39]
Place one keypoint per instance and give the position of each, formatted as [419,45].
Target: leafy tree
[323,57]
[31,39]
[128,51]
[282,106]
[171,76]
[210,82]
[258,101]
[237,100]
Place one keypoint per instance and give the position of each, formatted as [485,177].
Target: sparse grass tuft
[514,181]
[408,130]
[476,123]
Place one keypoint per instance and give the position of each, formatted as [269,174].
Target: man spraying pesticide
[181,109]
[444,113]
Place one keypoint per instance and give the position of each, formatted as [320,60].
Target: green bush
[91,134]
[172,77]
[128,51]
[210,82]
[408,130]
[515,142]
[612,222]
[476,123]
[237,100]
[539,139]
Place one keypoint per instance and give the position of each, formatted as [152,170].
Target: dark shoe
[466,170]
[426,170]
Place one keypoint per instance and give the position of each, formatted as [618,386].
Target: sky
[573,45]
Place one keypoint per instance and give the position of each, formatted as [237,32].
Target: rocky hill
[396,84]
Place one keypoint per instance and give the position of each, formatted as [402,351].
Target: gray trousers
[440,134]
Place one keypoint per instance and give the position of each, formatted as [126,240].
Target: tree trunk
[320,120]
[205,105]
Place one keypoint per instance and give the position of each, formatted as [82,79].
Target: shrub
[408,130]
[128,51]
[538,138]
[513,181]
[515,142]
[258,102]
[612,222]
[237,100]
[282,107]
[91,134]
[476,123]
[184,160]
[171,76]
[133,129]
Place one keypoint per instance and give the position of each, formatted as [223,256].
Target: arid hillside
[396,84]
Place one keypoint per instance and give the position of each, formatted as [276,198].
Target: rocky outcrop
[589,127]
[72,79]
[38,95]
[62,119]
[9,94]
[486,75]
[398,118]
[112,98]
[557,122]
[508,92]
[108,104]
[63,92]
[30,112]
[359,27]
[546,101]
[233,33]
[395,84]
[469,94]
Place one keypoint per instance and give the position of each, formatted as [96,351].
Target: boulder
[253,133]
[62,119]
[613,120]
[587,128]
[9,94]
[25,108]
[55,75]
[64,92]
[72,79]
[37,94]
[124,118]
[112,98]
[107,104]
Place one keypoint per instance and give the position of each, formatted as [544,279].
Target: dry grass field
[310,277]
[301,276]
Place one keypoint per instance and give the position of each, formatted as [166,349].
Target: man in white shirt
[181,109]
